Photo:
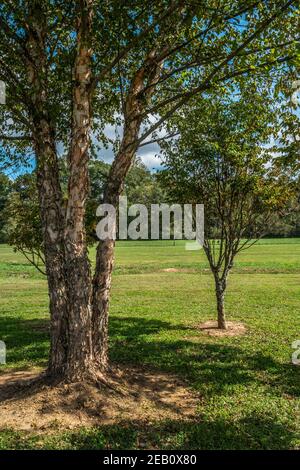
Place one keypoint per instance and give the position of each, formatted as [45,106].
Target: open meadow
[248,387]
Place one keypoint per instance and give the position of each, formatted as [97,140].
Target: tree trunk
[79,363]
[78,331]
[220,293]
[139,93]
[105,258]
[66,258]
[101,296]
[52,220]
[105,250]
[50,196]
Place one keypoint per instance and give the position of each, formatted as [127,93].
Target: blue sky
[148,153]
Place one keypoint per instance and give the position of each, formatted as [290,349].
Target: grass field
[248,386]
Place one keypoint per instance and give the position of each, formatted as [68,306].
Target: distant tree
[23,220]
[21,214]
[141,186]
[220,160]
[288,145]
[288,225]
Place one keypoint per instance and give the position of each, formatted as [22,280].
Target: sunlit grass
[249,389]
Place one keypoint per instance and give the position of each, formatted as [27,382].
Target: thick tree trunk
[78,331]
[52,220]
[66,258]
[50,196]
[79,363]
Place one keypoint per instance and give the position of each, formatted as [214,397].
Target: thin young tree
[220,160]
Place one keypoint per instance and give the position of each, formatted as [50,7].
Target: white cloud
[151,159]
[149,154]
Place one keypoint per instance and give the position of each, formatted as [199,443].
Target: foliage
[23,223]
[201,48]
[221,161]
[142,186]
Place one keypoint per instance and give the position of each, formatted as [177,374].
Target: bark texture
[220,288]
[79,307]
[134,107]
[66,258]
[50,195]
[78,274]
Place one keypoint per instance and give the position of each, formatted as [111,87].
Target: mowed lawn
[248,386]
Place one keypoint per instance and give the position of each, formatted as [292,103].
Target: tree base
[29,402]
[92,374]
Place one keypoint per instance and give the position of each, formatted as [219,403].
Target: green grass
[250,390]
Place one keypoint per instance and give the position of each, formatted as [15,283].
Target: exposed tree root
[31,400]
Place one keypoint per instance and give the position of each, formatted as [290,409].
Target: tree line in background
[71,69]
[218,156]
[20,223]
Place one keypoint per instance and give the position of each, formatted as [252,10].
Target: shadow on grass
[219,365]
[135,340]
[26,340]
[252,433]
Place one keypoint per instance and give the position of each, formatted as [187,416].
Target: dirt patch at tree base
[134,394]
[233,328]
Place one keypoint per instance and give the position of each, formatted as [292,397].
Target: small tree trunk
[101,296]
[220,293]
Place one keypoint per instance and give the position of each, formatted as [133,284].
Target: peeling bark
[66,258]
[78,273]
[50,196]
[79,308]
[52,220]
[133,111]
